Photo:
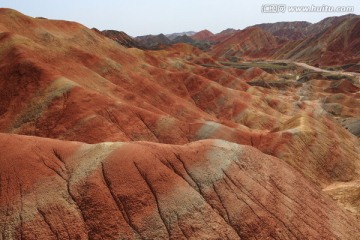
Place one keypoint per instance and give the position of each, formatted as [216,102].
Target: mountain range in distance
[281,40]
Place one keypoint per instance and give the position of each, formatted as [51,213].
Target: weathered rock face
[210,189]
[223,35]
[287,30]
[153,41]
[121,38]
[253,42]
[204,35]
[183,146]
[333,41]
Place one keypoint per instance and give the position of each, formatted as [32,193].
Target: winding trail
[316,69]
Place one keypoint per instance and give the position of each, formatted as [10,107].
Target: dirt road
[316,69]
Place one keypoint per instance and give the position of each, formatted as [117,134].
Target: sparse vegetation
[270,67]
[307,76]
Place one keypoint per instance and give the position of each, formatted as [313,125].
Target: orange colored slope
[252,42]
[208,189]
[60,80]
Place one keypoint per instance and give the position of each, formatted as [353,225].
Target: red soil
[204,35]
[172,132]
[73,190]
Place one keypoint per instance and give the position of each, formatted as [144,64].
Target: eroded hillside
[124,143]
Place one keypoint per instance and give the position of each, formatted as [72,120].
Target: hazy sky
[140,17]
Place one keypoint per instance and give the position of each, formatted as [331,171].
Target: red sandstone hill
[208,36]
[167,144]
[223,35]
[248,42]
[204,35]
[70,190]
[287,30]
[121,38]
[331,42]
[337,44]
[328,23]
[153,41]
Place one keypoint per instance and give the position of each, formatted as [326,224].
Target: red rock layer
[63,81]
[209,189]
[204,35]
[251,42]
